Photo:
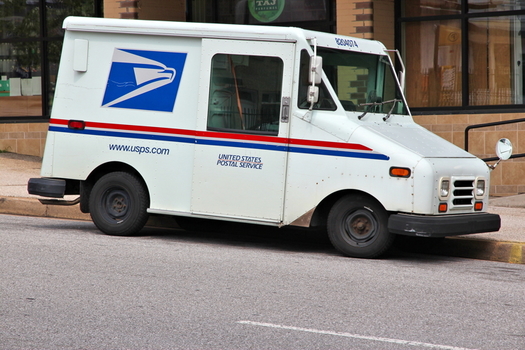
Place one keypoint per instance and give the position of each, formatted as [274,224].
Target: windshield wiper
[394,101]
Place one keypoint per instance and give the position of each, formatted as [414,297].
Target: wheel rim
[360,227]
[115,204]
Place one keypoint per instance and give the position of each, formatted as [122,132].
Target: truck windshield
[363,82]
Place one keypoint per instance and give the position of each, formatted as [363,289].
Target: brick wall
[111,9]
[367,19]
[355,18]
[23,138]
[164,10]
[129,9]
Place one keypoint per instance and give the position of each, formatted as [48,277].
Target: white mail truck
[255,124]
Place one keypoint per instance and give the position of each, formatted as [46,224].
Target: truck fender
[87,185]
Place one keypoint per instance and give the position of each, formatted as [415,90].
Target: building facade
[464,59]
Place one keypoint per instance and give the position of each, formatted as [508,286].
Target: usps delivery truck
[255,124]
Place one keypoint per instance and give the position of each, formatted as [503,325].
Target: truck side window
[245,93]
[326,101]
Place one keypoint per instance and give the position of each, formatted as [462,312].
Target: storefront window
[433,63]
[466,60]
[496,57]
[30,44]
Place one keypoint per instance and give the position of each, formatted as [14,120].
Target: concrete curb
[481,249]
[32,207]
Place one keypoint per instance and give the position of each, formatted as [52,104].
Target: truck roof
[220,31]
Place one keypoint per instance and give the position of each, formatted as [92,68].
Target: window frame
[464,17]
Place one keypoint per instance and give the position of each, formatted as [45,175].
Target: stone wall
[172,10]
[355,18]
[164,10]
[23,138]
[121,9]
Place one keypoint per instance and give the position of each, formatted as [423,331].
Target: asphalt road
[66,286]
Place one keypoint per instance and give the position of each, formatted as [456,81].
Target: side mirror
[314,78]
[316,70]
[313,94]
[503,151]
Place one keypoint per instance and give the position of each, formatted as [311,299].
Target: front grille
[463,193]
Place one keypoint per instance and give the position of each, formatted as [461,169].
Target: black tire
[118,204]
[358,227]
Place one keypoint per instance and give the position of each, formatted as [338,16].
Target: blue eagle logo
[146,80]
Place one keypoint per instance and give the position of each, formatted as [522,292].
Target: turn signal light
[443,207]
[399,172]
[76,124]
[478,206]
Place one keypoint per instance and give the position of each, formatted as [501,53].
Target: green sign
[266,10]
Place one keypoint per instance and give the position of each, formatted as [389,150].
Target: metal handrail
[477,126]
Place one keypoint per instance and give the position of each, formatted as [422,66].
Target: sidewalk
[507,245]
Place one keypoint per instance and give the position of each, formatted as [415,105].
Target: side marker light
[400,172]
[76,124]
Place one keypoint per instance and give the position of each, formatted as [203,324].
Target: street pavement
[506,245]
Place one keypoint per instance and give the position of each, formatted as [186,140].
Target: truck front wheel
[358,227]
[118,204]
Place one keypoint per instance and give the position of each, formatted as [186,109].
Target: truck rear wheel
[118,204]
[358,227]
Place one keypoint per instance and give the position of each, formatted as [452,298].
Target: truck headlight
[444,188]
[479,190]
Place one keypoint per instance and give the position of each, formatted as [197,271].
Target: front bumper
[444,225]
